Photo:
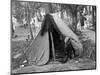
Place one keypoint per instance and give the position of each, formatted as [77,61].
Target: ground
[56,66]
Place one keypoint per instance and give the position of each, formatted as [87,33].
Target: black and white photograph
[52,37]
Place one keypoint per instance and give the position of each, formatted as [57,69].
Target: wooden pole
[53,50]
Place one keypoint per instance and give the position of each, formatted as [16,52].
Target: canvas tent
[40,50]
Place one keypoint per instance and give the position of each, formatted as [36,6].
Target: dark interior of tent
[56,40]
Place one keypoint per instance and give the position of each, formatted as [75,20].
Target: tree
[94,16]
[28,17]
[12,30]
[74,9]
[18,10]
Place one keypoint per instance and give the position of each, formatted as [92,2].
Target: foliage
[89,50]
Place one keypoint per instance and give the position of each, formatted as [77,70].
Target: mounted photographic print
[52,37]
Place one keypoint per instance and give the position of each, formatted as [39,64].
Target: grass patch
[18,47]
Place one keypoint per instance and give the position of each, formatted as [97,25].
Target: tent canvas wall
[39,52]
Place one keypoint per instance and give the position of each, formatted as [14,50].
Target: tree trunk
[34,30]
[28,21]
[94,17]
[75,23]
[50,8]
[12,30]
[31,33]
[62,17]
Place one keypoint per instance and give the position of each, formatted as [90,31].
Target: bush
[89,50]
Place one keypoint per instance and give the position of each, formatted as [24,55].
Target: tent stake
[53,50]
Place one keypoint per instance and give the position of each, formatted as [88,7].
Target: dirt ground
[78,64]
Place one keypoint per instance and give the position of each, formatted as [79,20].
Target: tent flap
[66,31]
